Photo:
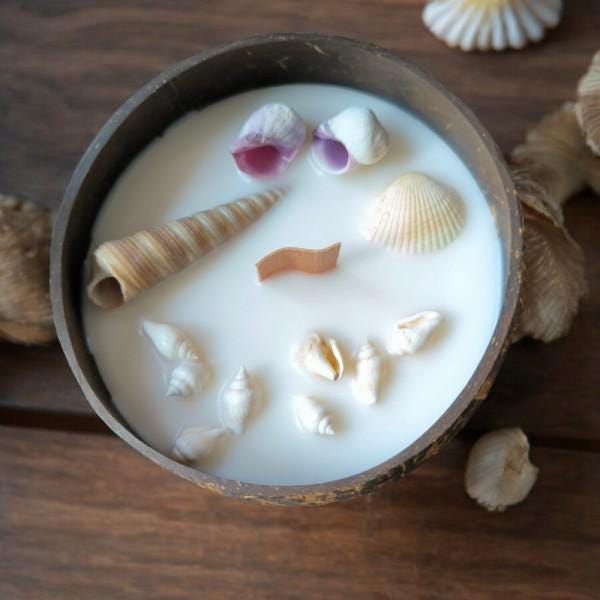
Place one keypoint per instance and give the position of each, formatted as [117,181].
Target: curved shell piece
[312,416]
[410,333]
[171,342]
[121,269]
[354,136]
[185,379]
[588,104]
[269,141]
[491,24]
[414,214]
[498,472]
[369,371]
[237,402]
[320,357]
[196,443]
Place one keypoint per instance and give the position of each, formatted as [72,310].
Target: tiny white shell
[171,342]
[369,370]
[410,333]
[498,472]
[196,443]
[237,402]
[312,416]
[319,357]
[185,379]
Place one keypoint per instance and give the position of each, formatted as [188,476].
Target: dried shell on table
[491,24]
[369,372]
[238,401]
[196,443]
[25,311]
[320,357]
[414,214]
[588,104]
[353,137]
[499,473]
[170,342]
[269,141]
[312,416]
[185,379]
[121,269]
[410,333]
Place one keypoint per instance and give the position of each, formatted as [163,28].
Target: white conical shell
[410,333]
[320,357]
[491,24]
[369,371]
[414,214]
[237,402]
[196,443]
[498,472]
[171,342]
[185,379]
[312,416]
[588,105]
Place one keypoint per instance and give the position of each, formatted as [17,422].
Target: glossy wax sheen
[237,321]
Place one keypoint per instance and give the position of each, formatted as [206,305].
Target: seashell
[123,268]
[171,342]
[312,416]
[237,402]
[588,104]
[196,443]
[319,357]
[25,311]
[498,472]
[414,214]
[491,24]
[410,333]
[185,379]
[369,371]
[269,141]
[348,139]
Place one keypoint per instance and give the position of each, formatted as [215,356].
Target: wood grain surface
[82,516]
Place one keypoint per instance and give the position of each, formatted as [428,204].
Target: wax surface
[237,321]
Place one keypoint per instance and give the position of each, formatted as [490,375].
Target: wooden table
[83,516]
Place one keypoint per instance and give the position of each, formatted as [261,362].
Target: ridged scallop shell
[491,24]
[170,342]
[312,416]
[196,443]
[320,357]
[410,333]
[588,104]
[414,214]
[238,401]
[369,371]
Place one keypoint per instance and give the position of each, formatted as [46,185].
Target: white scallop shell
[369,371]
[171,342]
[185,379]
[196,443]
[312,416]
[319,357]
[237,402]
[414,214]
[410,333]
[491,24]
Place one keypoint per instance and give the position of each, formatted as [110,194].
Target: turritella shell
[491,24]
[170,342]
[588,104]
[238,401]
[410,333]
[320,357]
[121,269]
[196,443]
[354,136]
[269,141]
[369,371]
[414,214]
[312,416]
[499,473]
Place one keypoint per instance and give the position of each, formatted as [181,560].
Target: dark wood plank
[82,517]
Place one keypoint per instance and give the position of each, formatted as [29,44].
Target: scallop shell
[25,311]
[170,342]
[312,416]
[499,473]
[491,24]
[122,269]
[196,443]
[185,379]
[588,104]
[410,333]
[354,136]
[269,141]
[319,357]
[369,371]
[237,402]
[414,214]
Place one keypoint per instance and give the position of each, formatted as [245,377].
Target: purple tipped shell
[269,141]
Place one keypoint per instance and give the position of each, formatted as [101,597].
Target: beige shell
[25,311]
[498,472]
[414,214]
[410,333]
[312,416]
[237,402]
[196,443]
[369,372]
[170,342]
[121,269]
[588,104]
[320,357]
[185,379]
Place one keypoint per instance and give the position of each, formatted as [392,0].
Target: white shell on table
[170,342]
[369,371]
[352,137]
[312,416]
[196,443]
[410,333]
[491,24]
[238,401]
[414,214]
[320,357]
[499,473]
[588,104]
[185,379]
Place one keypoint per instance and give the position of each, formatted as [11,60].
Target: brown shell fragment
[588,104]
